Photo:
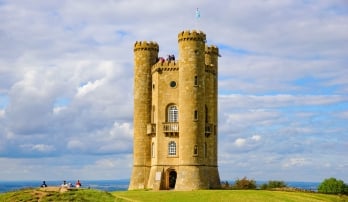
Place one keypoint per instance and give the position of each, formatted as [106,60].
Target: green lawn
[90,195]
[32,194]
[225,195]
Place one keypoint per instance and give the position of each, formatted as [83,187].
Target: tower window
[205,149]
[172,148]
[196,115]
[172,84]
[195,150]
[153,150]
[196,81]
[173,113]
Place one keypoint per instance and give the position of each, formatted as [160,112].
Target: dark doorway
[172,179]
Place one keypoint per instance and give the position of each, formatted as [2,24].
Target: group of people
[169,58]
[65,184]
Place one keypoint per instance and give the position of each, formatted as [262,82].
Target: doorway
[172,179]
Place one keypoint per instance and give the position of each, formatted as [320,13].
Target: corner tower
[145,56]
[175,116]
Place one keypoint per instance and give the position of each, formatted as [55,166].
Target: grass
[226,195]
[86,195]
[32,194]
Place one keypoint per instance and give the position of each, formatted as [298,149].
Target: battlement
[212,50]
[144,45]
[191,36]
[165,66]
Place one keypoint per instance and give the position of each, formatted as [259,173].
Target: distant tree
[244,183]
[273,184]
[333,186]
[225,185]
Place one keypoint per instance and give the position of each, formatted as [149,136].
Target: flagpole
[198,16]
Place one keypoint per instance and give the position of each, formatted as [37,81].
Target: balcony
[151,129]
[209,129]
[171,128]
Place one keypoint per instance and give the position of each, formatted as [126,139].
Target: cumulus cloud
[66,79]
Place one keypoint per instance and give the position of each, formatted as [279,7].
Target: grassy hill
[87,195]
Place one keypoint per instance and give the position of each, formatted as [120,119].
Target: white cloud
[38,147]
[295,162]
[256,138]
[239,142]
[282,84]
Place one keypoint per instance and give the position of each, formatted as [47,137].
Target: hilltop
[86,195]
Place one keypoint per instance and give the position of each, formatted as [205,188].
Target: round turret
[145,46]
[145,56]
[191,36]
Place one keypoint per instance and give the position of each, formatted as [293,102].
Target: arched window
[173,113]
[172,148]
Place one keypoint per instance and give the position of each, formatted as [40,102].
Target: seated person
[44,184]
[78,184]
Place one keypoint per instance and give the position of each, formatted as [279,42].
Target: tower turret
[191,108]
[211,61]
[145,56]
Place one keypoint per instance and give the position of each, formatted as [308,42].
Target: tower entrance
[172,179]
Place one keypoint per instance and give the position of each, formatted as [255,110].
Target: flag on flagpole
[198,14]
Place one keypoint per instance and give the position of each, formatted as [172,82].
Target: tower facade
[175,116]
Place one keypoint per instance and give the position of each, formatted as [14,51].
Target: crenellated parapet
[212,50]
[165,66]
[144,45]
[191,36]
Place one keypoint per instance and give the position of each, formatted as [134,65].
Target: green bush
[244,183]
[225,185]
[272,184]
[333,186]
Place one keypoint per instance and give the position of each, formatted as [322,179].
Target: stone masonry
[175,116]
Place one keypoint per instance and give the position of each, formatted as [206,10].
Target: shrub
[244,183]
[333,186]
[272,184]
[225,185]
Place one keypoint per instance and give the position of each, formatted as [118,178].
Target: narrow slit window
[196,81]
[196,115]
[153,150]
[195,150]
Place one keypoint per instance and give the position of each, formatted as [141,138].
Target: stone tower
[175,116]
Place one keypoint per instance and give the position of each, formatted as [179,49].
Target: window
[206,114]
[172,84]
[196,115]
[153,150]
[172,148]
[172,113]
[153,114]
[205,149]
[195,150]
[196,81]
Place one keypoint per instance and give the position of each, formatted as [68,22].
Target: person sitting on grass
[78,184]
[44,184]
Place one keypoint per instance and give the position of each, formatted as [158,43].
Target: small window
[172,84]
[195,150]
[172,148]
[153,150]
[196,81]
[196,115]
[205,149]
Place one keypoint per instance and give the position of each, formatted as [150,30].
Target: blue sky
[66,85]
